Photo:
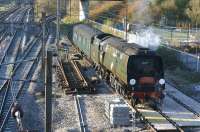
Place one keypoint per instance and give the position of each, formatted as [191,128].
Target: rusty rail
[80,76]
[61,75]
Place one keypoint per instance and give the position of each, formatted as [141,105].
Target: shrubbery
[176,68]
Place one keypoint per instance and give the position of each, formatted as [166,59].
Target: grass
[183,77]
[169,58]
[102,7]
[183,80]
[2,8]
[5,7]
[176,71]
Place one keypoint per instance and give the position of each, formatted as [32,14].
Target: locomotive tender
[133,71]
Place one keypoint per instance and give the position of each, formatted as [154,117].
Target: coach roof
[87,30]
[123,46]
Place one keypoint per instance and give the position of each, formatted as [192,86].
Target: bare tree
[193,11]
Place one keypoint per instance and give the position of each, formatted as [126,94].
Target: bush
[169,58]
[176,71]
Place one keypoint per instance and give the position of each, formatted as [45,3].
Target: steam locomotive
[133,71]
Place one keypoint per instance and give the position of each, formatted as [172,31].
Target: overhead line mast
[58,22]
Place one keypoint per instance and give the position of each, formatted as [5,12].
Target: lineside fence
[176,36]
[172,57]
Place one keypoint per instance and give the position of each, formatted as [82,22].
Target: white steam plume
[146,38]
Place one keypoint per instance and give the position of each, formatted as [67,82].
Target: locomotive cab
[146,77]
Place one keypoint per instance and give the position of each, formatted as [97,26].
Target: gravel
[65,117]
[93,108]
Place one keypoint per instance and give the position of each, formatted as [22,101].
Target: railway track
[10,55]
[6,13]
[80,114]
[61,75]
[5,88]
[17,16]
[15,88]
[13,51]
[73,77]
[28,16]
[77,83]
[72,81]
[184,105]
[167,120]
[7,43]
[3,35]
[188,107]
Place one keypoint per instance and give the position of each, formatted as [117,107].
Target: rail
[151,125]
[80,76]
[61,75]
[79,109]
[17,95]
[171,121]
[6,13]
[7,48]
[76,80]
[181,103]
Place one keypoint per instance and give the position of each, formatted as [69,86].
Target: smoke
[141,12]
[143,36]
[146,38]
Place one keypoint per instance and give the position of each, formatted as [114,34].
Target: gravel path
[93,113]
[65,117]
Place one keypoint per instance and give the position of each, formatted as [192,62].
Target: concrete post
[198,63]
[43,45]
[48,92]
[83,9]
